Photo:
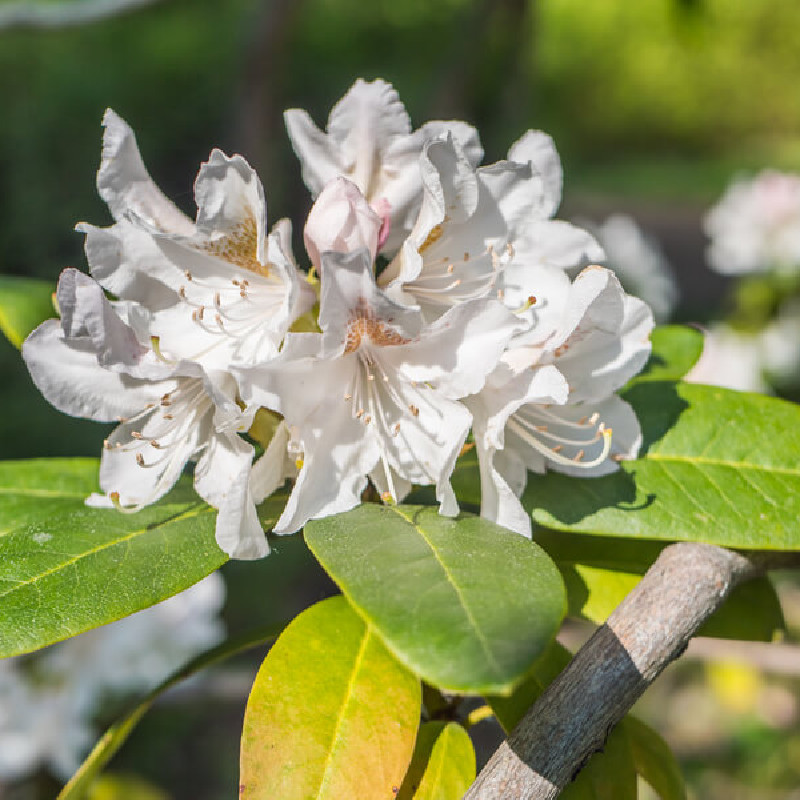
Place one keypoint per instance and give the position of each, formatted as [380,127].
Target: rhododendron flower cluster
[439,302]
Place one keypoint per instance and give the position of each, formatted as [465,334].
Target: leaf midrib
[20,585]
[718,462]
[360,656]
[481,638]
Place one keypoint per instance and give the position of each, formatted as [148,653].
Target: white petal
[457,351]
[70,378]
[126,261]
[336,459]
[538,148]
[603,351]
[124,184]
[230,203]
[557,244]
[145,455]
[86,313]
[272,469]
[222,479]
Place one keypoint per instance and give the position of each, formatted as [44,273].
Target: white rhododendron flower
[221,290]
[91,364]
[639,263]
[730,358]
[551,402]
[482,230]
[48,699]
[474,314]
[376,393]
[369,141]
[756,225]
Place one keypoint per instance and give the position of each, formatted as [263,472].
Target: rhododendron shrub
[441,380]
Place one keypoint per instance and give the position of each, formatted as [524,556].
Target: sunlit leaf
[464,603]
[716,466]
[331,714]
[443,764]
[751,612]
[65,568]
[24,304]
[117,734]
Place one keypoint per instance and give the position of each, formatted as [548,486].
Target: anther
[155,444]
[348,397]
[396,429]
[450,268]
[182,292]
[367,419]
[140,459]
[582,420]
[217,299]
[466,256]
[510,249]
[359,413]
[414,410]
[500,294]
[558,448]
[540,428]
[136,435]
[106,444]
[579,455]
[169,416]
[187,274]
[218,319]
[166,399]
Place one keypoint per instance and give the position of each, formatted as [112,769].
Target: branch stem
[650,628]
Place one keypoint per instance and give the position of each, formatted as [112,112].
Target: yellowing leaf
[331,715]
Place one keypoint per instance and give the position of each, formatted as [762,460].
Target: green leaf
[716,466]
[676,349]
[117,734]
[443,764]
[65,568]
[463,603]
[331,714]
[654,760]
[24,304]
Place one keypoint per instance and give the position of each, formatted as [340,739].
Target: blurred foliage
[659,99]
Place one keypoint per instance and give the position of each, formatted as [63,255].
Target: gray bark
[650,628]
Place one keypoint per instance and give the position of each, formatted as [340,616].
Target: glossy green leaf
[24,304]
[443,764]
[84,779]
[654,760]
[331,714]
[464,603]
[676,349]
[65,568]
[716,466]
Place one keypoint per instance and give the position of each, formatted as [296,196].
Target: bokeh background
[655,106]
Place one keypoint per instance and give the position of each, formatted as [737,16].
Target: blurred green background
[654,106]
